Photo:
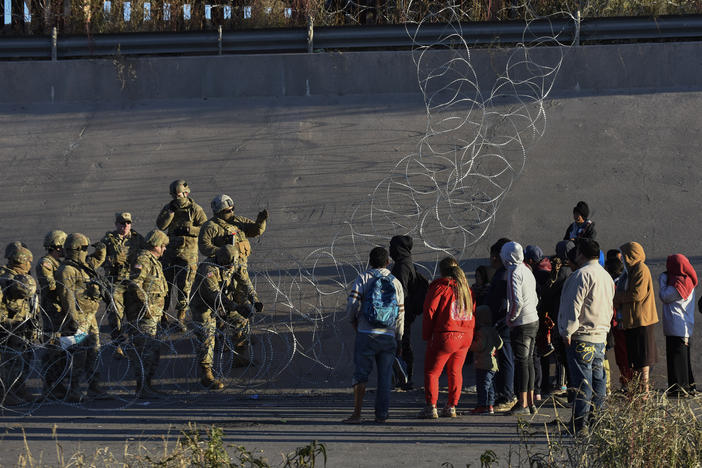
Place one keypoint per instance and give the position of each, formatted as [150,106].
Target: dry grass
[91,16]
[193,448]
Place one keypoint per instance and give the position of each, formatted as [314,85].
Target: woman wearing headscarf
[447,327]
[637,302]
[677,291]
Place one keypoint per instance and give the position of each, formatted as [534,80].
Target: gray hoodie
[521,287]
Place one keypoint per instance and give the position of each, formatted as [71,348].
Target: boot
[97,392]
[181,321]
[74,395]
[208,380]
[145,392]
[359,391]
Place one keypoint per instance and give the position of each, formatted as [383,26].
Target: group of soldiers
[135,276]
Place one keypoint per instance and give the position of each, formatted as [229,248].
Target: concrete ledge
[628,68]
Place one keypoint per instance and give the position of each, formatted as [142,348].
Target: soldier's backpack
[380,306]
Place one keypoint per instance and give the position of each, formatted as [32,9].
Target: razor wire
[446,194]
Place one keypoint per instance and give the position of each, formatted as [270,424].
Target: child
[486,342]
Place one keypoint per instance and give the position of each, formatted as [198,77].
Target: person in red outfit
[448,328]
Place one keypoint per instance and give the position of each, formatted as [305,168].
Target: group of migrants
[524,313]
[135,276]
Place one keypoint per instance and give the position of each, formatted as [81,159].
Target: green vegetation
[194,448]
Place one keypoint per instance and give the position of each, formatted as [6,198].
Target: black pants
[407,354]
[523,341]
[677,355]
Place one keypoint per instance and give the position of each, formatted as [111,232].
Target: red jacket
[440,312]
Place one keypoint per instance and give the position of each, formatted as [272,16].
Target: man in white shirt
[374,341]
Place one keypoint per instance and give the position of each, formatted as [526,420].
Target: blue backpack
[380,304]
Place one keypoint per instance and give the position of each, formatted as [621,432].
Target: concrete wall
[587,69]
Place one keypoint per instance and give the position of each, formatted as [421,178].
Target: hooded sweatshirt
[637,300]
[441,312]
[677,291]
[486,340]
[403,270]
[521,287]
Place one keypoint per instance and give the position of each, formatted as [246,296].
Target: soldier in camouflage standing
[80,291]
[226,228]
[123,244]
[181,218]
[53,362]
[144,302]
[222,298]
[18,325]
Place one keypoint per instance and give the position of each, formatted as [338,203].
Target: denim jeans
[484,384]
[372,347]
[588,378]
[523,341]
[504,379]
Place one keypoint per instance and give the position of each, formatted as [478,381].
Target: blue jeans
[588,377]
[504,379]
[523,338]
[371,347]
[486,389]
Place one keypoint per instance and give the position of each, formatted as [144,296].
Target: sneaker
[518,410]
[448,412]
[492,410]
[532,409]
[471,389]
[428,412]
[481,410]
[505,406]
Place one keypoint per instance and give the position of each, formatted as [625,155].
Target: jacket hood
[483,316]
[633,253]
[400,247]
[512,254]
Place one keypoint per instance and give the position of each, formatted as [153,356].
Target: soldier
[53,362]
[217,302]
[144,303]
[18,324]
[182,218]
[80,291]
[226,228]
[123,244]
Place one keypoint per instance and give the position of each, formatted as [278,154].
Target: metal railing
[688,27]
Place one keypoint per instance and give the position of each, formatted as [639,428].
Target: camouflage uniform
[121,251]
[144,302]
[217,232]
[54,364]
[180,260]
[18,322]
[80,293]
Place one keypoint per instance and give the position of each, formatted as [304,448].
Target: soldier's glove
[93,290]
[245,310]
[181,231]
[262,216]
[258,306]
[99,246]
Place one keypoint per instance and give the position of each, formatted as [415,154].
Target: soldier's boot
[74,395]
[54,391]
[208,380]
[181,320]
[242,357]
[96,391]
[148,384]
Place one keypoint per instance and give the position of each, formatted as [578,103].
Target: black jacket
[588,231]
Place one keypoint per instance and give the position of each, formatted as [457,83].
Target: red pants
[445,349]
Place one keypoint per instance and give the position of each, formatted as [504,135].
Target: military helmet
[54,238]
[76,241]
[221,203]
[20,255]
[179,186]
[12,246]
[227,254]
[156,238]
